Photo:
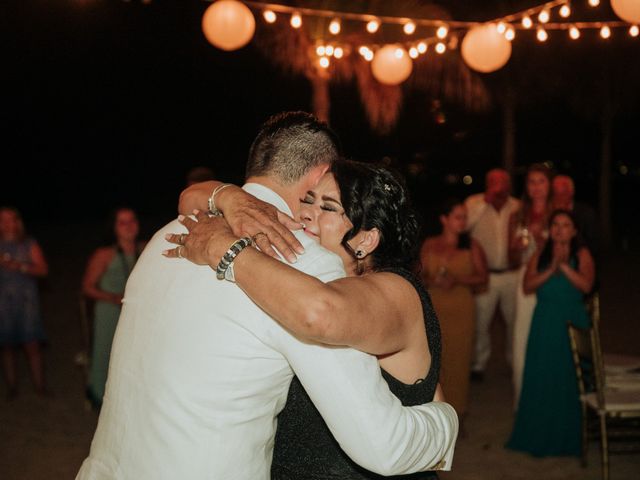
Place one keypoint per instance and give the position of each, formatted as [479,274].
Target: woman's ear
[366,241]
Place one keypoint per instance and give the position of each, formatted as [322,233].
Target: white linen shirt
[491,228]
[198,374]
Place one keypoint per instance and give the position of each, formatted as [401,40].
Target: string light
[328,50]
[594,3]
[324,62]
[574,33]
[605,32]
[296,20]
[510,34]
[634,31]
[565,11]
[320,50]
[338,52]
[527,22]
[409,28]
[334,26]
[422,47]
[442,32]
[502,27]
[542,34]
[441,48]
[373,26]
[543,16]
[413,52]
[269,16]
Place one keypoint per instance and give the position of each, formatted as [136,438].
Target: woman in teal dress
[548,416]
[104,281]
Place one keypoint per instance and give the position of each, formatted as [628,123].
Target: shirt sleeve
[366,419]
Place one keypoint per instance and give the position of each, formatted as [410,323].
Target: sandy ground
[47,438]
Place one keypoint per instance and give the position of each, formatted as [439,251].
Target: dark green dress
[548,417]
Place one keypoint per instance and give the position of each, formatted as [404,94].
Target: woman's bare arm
[582,278]
[96,267]
[370,313]
[533,278]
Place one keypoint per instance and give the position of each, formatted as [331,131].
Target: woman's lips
[310,233]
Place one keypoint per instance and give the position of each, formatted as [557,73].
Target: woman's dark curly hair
[375,197]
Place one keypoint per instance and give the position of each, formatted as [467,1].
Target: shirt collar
[268,195]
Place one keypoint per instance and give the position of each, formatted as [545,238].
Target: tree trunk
[605,172]
[320,100]
[509,129]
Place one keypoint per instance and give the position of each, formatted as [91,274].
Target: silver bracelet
[213,210]
[228,258]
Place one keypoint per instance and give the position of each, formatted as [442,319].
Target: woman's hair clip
[387,187]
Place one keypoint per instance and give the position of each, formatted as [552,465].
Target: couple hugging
[208,344]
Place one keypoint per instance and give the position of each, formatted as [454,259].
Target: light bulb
[334,26]
[324,62]
[413,52]
[502,27]
[605,32]
[296,20]
[542,35]
[409,28]
[328,50]
[442,32]
[441,48]
[269,16]
[422,47]
[510,34]
[634,31]
[368,55]
[338,52]
[574,33]
[594,3]
[373,26]
[321,50]
[527,22]
[544,16]
[565,11]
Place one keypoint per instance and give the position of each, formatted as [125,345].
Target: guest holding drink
[527,232]
[453,266]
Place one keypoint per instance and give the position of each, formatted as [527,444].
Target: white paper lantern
[228,24]
[485,49]
[391,65]
[627,10]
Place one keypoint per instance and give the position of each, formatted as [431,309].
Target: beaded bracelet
[228,258]
[213,210]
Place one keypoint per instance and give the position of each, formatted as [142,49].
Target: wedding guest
[22,263]
[453,266]
[548,419]
[527,232]
[104,280]
[586,217]
[488,220]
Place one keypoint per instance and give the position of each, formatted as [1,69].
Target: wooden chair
[617,411]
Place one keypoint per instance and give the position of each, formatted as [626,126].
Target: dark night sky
[110,102]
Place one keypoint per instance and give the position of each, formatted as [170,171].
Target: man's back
[194,386]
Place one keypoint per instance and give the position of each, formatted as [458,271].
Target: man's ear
[316,173]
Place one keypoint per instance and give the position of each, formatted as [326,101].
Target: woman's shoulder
[103,254]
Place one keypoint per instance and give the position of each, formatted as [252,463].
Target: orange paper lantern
[228,24]
[627,10]
[485,49]
[391,65]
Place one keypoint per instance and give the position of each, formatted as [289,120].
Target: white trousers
[525,305]
[501,290]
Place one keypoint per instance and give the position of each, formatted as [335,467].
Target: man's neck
[288,193]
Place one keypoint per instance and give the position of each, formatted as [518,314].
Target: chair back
[587,360]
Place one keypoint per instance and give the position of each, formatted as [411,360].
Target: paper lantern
[228,24]
[484,49]
[627,10]
[391,65]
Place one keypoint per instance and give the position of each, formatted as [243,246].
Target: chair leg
[585,436]
[605,447]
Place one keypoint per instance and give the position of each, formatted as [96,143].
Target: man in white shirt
[488,216]
[198,373]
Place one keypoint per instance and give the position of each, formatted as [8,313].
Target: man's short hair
[289,145]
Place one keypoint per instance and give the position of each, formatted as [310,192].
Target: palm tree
[441,76]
